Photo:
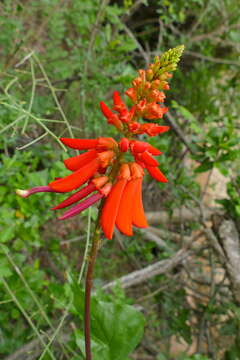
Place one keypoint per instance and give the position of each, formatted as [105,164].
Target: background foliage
[59,58]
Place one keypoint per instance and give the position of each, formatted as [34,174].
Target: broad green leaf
[100,351]
[118,326]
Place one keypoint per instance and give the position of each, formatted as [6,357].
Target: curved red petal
[105,110]
[138,216]
[153,150]
[76,196]
[148,159]
[124,216]
[156,174]
[76,209]
[80,144]
[76,179]
[75,162]
[110,208]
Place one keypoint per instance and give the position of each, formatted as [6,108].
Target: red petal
[124,216]
[110,208]
[80,144]
[75,162]
[148,159]
[153,150]
[76,197]
[138,216]
[105,110]
[156,173]
[139,146]
[76,209]
[124,144]
[76,179]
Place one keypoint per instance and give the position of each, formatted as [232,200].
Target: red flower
[100,171]
[123,207]
[123,194]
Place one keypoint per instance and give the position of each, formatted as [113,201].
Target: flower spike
[104,164]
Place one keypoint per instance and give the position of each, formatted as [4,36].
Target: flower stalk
[88,289]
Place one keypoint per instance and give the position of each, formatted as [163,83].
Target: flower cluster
[102,171]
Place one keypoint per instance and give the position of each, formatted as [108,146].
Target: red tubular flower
[80,144]
[82,206]
[106,143]
[154,111]
[134,128]
[112,202]
[76,197]
[106,158]
[124,144]
[138,146]
[100,181]
[148,159]
[119,105]
[153,150]
[130,201]
[141,146]
[138,160]
[152,129]
[132,94]
[76,179]
[156,174]
[138,216]
[157,96]
[76,162]
[110,116]
[125,209]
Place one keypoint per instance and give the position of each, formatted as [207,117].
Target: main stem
[90,267]
[88,288]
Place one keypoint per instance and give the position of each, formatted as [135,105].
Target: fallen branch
[184,214]
[160,267]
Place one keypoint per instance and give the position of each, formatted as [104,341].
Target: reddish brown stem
[88,288]
[90,269]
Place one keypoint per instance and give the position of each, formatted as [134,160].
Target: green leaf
[100,350]
[5,270]
[205,166]
[6,234]
[116,328]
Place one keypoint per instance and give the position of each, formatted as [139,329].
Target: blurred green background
[58,59]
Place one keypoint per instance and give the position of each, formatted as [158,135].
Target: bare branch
[178,132]
[231,244]
[212,59]
[160,267]
[187,215]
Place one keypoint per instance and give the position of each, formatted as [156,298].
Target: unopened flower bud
[124,144]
